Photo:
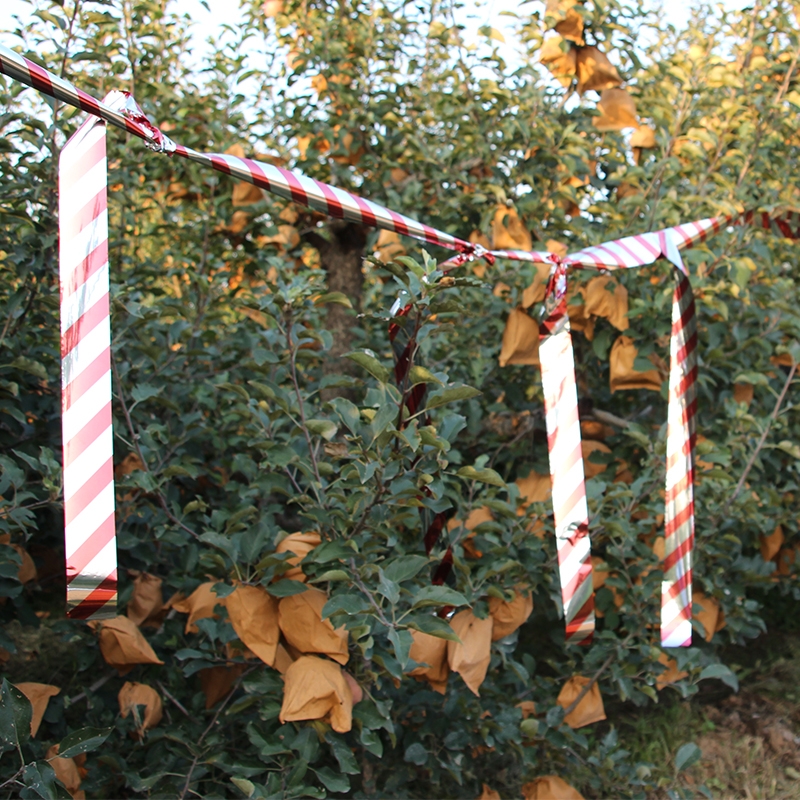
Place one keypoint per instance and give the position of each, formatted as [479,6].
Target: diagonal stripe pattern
[89,531]
[570,512]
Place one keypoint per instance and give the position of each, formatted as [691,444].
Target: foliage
[224,443]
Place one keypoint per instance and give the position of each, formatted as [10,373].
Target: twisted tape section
[87,434]
[570,512]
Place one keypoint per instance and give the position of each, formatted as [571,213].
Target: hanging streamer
[558,373]
[87,432]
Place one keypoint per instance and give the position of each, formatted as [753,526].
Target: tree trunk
[342,256]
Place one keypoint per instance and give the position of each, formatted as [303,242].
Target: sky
[475,14]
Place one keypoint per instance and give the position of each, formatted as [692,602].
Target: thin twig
[763,438]
[592,681]
[170,697]
[70,701]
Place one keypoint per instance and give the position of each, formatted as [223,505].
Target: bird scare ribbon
[557,363]
[87,432]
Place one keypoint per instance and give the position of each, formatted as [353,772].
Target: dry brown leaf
[216,682]
[430,650]
[301,544]
[590,468]
[300,618]
[535,488]
[627,190]
[520,340]
[315,688]
[671,674]
[238,222]
[562,63]
[474,518]
[488,793]
[623,375]
[123,645]
[569,22]
[592,429]
[589,710]
[27,569]
[389,246]
[471,656]
[609,303]
[507,617]
[319,83]
[508,232]
[527,707]
[599,572]
[617,111]
[198,605]
[39,695]
[131,463]
[743,393]
[710,616]
[146,601]
[536,291]
[643,137]
[550,787]
[287,238]
[595,71]
[254,616]
[140,694]
[771,545]
[66,771]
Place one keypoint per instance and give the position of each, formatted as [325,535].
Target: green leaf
[485,475]
[721,672]
[339,298]
[451,396]
[15,716]
[322,427]
[143,392]
[40,777]
[434,626]
[247,788]
[345,604]
[403,568]
[416,754]
[401,641]
[438,596]
[687,755]
[343,753]
[83,741]
[367,360]
[332,781]
[419,374]
[285,588]
[388,588]
[29,365]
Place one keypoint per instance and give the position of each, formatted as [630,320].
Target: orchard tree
[337,566]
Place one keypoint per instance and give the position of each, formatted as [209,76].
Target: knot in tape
[556,291]
[156,140]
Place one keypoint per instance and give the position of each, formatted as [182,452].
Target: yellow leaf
[644,136]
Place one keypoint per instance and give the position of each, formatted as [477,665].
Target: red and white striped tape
[570,512]
[87,432]
[558,372]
